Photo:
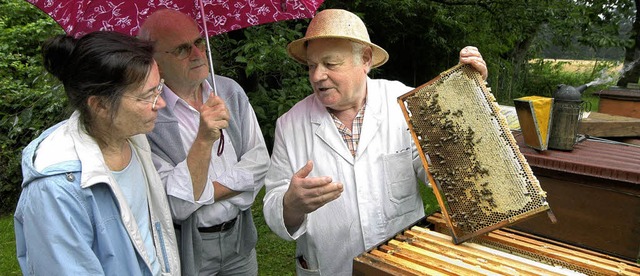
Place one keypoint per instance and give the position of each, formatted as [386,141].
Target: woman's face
[135,114]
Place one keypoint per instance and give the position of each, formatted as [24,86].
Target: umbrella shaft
[206,34]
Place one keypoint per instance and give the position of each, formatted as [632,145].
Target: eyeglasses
[184,50]
[153,98]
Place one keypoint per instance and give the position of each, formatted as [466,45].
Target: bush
[541,77]
[29,100]
[545,75]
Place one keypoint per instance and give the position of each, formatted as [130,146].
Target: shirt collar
[172,99]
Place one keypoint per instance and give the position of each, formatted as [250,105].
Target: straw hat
[336,23]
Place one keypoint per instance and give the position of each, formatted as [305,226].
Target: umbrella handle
[221,144]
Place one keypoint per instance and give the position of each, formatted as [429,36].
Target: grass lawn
[8,260]
[275,255]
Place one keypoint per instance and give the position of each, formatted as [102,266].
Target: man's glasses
[153,98]
[184,50]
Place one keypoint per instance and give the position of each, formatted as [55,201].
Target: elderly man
[344,168]
[209,151]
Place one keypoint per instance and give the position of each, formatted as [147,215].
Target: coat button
[70,177]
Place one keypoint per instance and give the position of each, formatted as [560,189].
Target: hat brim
[298,51]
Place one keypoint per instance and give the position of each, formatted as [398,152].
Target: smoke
[605,77]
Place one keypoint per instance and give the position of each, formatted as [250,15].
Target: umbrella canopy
[79,17]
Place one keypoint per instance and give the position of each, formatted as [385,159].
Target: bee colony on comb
[481,180]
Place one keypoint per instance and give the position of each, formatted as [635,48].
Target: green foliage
[271,104]
[417,35]
[544,76]
[29,99]
[257,58]
[589,23]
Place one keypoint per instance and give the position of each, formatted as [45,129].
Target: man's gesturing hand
[307,194]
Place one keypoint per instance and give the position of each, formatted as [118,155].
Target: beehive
[423,249]
[480,178]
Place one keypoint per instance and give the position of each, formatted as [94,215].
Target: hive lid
[597,158]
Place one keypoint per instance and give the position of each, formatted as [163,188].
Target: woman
[92,202]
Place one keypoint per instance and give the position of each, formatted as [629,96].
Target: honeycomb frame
[479,176]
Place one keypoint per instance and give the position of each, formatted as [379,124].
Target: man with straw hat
[344,169]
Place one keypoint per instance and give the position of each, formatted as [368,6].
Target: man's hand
[307,194]
[471,55]
[214,116]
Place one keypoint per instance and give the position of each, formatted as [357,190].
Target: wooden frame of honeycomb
[480,178]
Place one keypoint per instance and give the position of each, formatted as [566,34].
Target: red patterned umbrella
[78,17]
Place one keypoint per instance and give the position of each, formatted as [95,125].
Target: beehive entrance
[478,174]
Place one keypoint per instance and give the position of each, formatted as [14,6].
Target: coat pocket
[399,176]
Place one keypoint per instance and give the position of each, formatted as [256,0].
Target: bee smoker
[567,112]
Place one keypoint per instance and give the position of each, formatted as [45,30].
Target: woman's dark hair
[103,64]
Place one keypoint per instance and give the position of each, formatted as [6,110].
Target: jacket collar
[326,130]
[67,148]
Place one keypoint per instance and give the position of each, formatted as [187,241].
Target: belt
[215,228]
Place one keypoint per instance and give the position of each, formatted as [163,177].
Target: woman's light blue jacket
[72,218]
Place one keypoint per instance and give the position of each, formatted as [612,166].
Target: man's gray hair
[357,49]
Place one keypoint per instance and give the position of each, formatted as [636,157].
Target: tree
[632,52]
[423,39]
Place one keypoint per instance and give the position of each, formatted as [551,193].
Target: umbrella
[79,17]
